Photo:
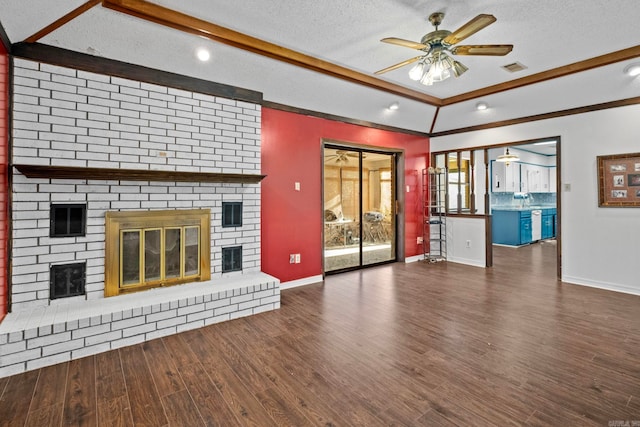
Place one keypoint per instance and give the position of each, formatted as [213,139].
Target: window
[157,248]
[67,280]
[67,220]
[232,214]
[467,189]
[231,259]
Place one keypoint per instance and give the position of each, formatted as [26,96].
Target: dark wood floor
[417,344]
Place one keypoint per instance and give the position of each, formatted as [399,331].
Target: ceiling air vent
[514,67]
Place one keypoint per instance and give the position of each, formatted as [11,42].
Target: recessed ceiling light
[482,106]
[633,69]
[203,54]
[394,106]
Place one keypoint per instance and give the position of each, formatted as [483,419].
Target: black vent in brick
[232,214]
[67,280]
[232,259]
[68,220]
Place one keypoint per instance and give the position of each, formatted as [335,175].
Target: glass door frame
[397,171]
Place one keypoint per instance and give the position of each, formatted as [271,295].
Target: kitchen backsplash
[535,199]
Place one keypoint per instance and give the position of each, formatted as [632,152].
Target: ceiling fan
[435,64]
[341,156]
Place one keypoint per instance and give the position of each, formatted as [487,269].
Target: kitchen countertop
[518,208]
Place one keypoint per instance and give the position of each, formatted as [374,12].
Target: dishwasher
[536,225]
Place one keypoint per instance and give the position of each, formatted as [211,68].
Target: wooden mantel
[65,172]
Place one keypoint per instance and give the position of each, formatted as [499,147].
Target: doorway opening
[359,208]
[531,188]
[513,186]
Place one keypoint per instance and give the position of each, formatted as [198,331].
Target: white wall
[600,246]
[461,230]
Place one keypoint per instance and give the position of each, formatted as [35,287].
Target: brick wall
[67,117]
[47,335]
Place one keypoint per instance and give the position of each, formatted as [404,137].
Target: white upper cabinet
[505,179]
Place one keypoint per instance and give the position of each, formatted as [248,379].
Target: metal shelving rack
[434,221]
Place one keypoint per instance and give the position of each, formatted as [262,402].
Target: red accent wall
[4,183]
[292,220]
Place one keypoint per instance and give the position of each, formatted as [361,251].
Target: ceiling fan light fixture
[437,68]
[426,79]
[440,69]
[434,63]
[458,68]
[632,70]
[417,71]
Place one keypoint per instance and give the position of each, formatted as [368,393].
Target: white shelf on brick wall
[65,172]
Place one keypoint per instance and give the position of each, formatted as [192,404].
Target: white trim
[601,285]
[414,258]
[465,261]
[301,282]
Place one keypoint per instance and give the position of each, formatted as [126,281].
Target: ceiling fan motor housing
[434,38]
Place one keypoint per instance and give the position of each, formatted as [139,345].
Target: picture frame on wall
[619,180]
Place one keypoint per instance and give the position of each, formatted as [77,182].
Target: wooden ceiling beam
[543,116]
[161,15]
[60,22]
[565,70]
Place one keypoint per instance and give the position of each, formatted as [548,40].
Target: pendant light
[507,157]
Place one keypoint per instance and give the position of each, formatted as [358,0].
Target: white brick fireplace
[73,119]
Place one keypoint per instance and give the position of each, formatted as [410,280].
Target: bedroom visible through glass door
[359,208]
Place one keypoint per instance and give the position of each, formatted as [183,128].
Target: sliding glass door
[359,208]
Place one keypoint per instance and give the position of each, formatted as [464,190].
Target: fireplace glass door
[158,254]
[156,248]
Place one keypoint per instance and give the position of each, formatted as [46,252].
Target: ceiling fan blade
[401,64]
[405,43]
[471,27]
[486,50]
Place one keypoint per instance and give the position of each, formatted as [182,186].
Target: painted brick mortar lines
[26,349]
[66,117]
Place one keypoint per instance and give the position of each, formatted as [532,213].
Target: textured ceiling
[546,34]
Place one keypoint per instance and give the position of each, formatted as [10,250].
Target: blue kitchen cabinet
[511,227]
[525,227]
[548,223]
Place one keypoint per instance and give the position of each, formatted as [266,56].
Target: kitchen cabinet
[553,179]
[534,178]
[548,223]
[511,227]
[505,179]
[528,178]
[525,227]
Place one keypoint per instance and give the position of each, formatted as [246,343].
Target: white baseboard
[301,282]
[414,258]
[601,285]
[465,261]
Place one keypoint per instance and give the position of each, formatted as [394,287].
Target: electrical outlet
[292,258]
[297,257]
[296,186]
[419,240]
[468,243]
